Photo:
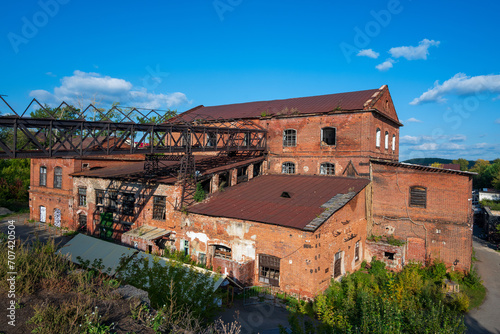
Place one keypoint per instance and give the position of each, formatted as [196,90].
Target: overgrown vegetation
[199,194]
[14,184]
[387,239]
[493,205]
[374,300]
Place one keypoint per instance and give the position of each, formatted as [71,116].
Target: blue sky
[439,58]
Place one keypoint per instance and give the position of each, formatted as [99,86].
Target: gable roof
[312,200]
[321,104]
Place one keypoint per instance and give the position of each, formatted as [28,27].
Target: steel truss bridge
[116,131]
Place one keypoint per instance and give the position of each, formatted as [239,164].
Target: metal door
[43,214]
[57,217]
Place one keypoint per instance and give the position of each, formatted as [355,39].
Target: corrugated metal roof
[302,105]
[147,232]
[260,199]
[91,249]
[422,168]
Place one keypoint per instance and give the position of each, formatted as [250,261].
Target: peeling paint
[200,236]
[243,250]
[237,229]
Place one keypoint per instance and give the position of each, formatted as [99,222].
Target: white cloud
[409,140]
[426,147]
[83,87]
[460,84]
[368,53]
[385,65]
[458,138]
[413,120]
[50,74]
[414,52]
[451,146]
[497,121]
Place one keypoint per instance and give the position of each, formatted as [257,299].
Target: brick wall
[443,227]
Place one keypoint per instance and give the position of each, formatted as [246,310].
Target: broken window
[288,168]
[82,196]
[113,199]
[82,222]
[211,139]
[241,174]
[327,168]
[128,203]
[389,255]
[222,252]
[99,197]
[43,176]
[58,177]
[185,246]
[337,265]
[356,251]
[386,140]
[269,269]
[159,203]
[202,259]
[328,136]
[377,138]
[418,197]
[257,169]
[289,138]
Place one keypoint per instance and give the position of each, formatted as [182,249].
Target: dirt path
[486,318]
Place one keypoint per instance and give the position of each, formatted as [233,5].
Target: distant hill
[428,161]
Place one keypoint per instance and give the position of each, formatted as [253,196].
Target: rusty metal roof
[261,199]
[302,105]
[147,232]
[421,168]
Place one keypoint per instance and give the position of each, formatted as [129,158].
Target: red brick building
[294,217]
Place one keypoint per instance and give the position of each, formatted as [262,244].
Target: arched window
[289,138]
[386,142]
[377,139]
[288,168]
[394,142]
[58,177]
[327,168]
[418,197]
[328,136]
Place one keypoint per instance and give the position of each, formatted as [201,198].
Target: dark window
[58,177]
[246,140]
[389,255]
[241,174]
[356,252]
[99,197]
[337,265]
[257,169]
[288,168]
[82,222]
[113,199]
[327,168]
[202,258]
[328,136]
[185,247]
[128,202]
[289,138]
[43,176]
[269,269]
[418,197]
[159,203]
[211,139]
[82,196]
[222,252]
[285,194]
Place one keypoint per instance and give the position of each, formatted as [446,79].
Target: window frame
[377,137]
[323,168]
[43,176]
[82,197]
[211,139]
[394,142]
[414,193]
[159,208]
[290,141]
[99,197]
[128,205]
[386,140]
[356,252]
[334,135]
[223,252]
[285,168]
[58,177]
[269,266]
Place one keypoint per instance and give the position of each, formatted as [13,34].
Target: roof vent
[285,194]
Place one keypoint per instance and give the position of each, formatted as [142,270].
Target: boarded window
[222,252]
[58,177]
[289,138]
[82,196]
[159,203]
[99,197]
[128,203]
[328,136]
[288,168]
[269,269]
[337,265]
[418,197]
[327,168]
[43,176]
[356,252]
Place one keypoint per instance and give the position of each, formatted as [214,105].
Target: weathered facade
[294,217]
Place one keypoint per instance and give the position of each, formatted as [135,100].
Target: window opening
[288,168]
[128,202]
[58,177]
[286,194]
[389,255]
[99,197]
[327,168]
[328,136]
[418,197]
[211,139]
[82,196]
[241,174]
[43,176]
[289,138]
[202,259]
[82,222]
[257,169]
[337,265]
[377,139]
[222,252]
[393,142]
[159,203]
[356,252]
[269,269]
[386,142]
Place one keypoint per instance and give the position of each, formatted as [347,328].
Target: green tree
[464,164]
[437,165]
[480,180]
